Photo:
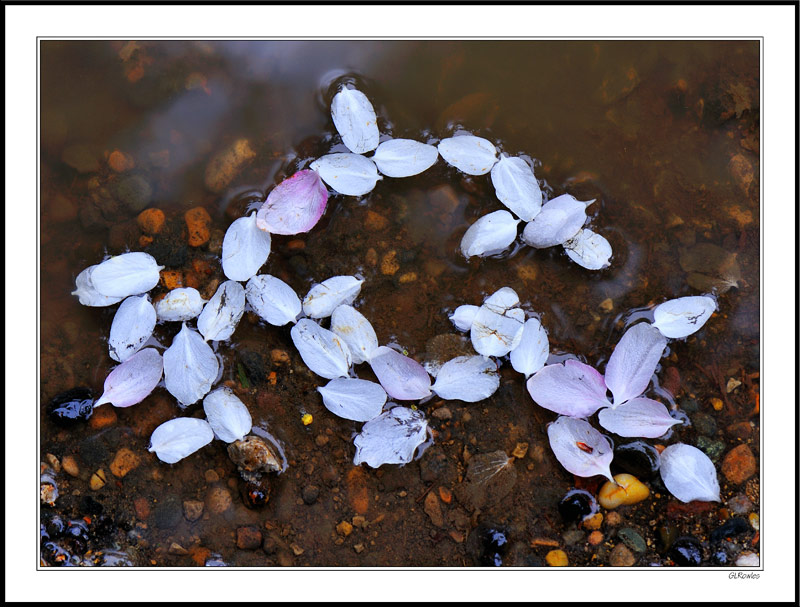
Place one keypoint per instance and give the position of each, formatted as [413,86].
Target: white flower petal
[356,331]
[683,316]
[328,295]
[402,377]
[404,157]
[179,304]
[469,154]
[223,312]
[245,249]
[190,367]
[559,220]
[88,295]
[581,449]
[273,300]
[633,361]
[351,398]
[490,234]
[689,474]
[348,174]
[391,438]
[517,188]
[132,381]
[467,378]
[640,417]
[354,118]
[175,439]
[463,316]
[126,274]
[502,300]
[228,416]
[324,352]
[533,349]
[494,334]
[133,325]
[589,250]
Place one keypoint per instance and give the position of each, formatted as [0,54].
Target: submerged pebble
[71,407]
[686,552]
[625,490]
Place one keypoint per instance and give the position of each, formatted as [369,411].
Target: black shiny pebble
[494,543]
[71,407]
[56,527]
[637,458]
[686,552]
[730,528]
[720,557]
[53,554]
[77,533]
[255,494]
[577,505]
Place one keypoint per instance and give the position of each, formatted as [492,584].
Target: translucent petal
[463,316]
[517,188]
[634,361]
[324,352]
[467,378]
[190,367]
[589,250]
[295,205]
[573,389]
[126,274]
[491,234]
[559,220]
[689,474]
[581,449]
[683,316]
[88,295]
[404,157]
[356,331]
[175,439]
[245,249]
[227,415]
[133,325]
[328,295]
[223,311]
[639,417]
[180,304]
[534,348]
[469,154]
[494,334]
[502,300]
[391,438]
[348,174]
[132,381]
[351,398]
[273,300]
[402,377]
[355,120]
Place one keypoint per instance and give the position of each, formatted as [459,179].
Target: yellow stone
[526,272]
[754,521]
[593,522]
[408,277]
[344,528]
[626,490]
[607,305]
[307,419]
[557,558]
[389,264]
[98,480]
[717,404]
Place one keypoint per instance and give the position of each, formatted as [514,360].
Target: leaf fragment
[391,438]
[132,326]
[404,157]
[245,248]
[689,474]
[324,352]
[639,417]
[581,449]
[490,234]
[683,316]
[517,188]
[184,303]
[467,378]
[348,174]
[177,438]
[469,154]
[356,331]
[126,274]
[132,381]
[573,389]
[402,377]
[295,205]
[352,398]
[633,361]
[190,367]
[228,416]
[589,250]
[223,311]
[273,300]
[355,119]
[328,295]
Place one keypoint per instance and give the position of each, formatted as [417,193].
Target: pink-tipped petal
[295,205]
[580,448]
[573,389]
[402,377]
[132,381]
[634,361]
[639,417]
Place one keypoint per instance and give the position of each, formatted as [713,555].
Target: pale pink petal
[638,417]
[580,448]
[689,474]
[402,377]
[634,361]
[572,389]
[133,380]
[295,205]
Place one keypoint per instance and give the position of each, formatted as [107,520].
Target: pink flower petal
[572,389]
[638,417]
[634,361]
[402,377]
[295,205]
[580,448]
[132,381]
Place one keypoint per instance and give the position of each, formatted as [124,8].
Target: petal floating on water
[469,154]
[133,325]
[502,300]
[223,311]
[404,157]
[180,304]
[391,438]
[273,300]
[683,316]
[494,334]
[581,449]
[245,248]
[351,398]
[88,295]
[517,188]
[634,361]
[689,474]
[175,439]
[348,174]
[491,234]
[467,378]
[589,250]
[328,295]
[295,205]
[640,417]
[190,367]
[533,349]
[559,220]
[402,377]
[463,316]
[356,331]
[573,389]
[228,416]
[354,118]
[324,352]
[126,274]
[132,381]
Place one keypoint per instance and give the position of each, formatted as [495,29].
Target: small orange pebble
[192,279]
[103,417]
[557,558]
[198,223]
[660,448]
[296,245]
[595,537]
[272,378]
[202,266]
[172,279]
[717,404]
[120,161]
[445,495]
[199,555]
[307,419]
[145,240]
[151,221]
[544,541]
[594,521]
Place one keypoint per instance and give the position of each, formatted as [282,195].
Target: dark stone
[255,494]
[494,545]
[712,448]
[91,218]
[77,535]
[730,528]
[169,247]
[686,552]
[168,513]
[299,265]
[269,546]
[134,192]
[720,557]
[71,407]
[89,505]
[254,365]
[55,527]
[689,404]
[632,539]
[705,424]
[310,494]
[636,458]
[435,466]
[666,536]
[56,555]
[577,505]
